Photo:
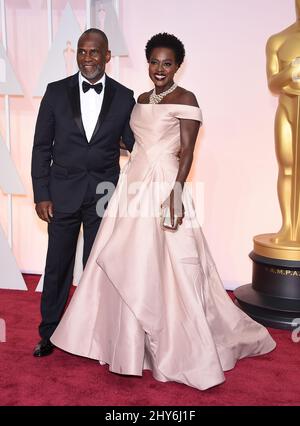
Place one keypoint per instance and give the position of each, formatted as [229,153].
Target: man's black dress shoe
[43,348]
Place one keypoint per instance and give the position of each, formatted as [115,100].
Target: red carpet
[63,379]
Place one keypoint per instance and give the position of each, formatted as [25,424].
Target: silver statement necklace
[156,99]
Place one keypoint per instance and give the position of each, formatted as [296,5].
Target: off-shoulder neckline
[178,105]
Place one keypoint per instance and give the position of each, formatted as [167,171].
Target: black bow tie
[97,87]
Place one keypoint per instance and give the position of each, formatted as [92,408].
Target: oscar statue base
[273,298]
[267,245]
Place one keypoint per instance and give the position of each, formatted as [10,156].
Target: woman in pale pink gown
[151,298]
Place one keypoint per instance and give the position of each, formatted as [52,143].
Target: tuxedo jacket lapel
[74,96]
[109,93]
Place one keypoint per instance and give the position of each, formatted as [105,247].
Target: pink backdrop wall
[225,67]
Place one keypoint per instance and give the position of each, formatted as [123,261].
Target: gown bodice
[157,127]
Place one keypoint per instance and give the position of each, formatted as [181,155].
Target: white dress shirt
[90,104]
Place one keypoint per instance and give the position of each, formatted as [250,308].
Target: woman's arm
[188,135]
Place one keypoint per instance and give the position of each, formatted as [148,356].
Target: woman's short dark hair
[169,41]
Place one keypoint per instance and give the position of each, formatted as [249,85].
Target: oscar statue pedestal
[273,298]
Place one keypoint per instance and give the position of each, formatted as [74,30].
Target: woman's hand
[174,202]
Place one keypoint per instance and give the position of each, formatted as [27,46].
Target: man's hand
[44,210]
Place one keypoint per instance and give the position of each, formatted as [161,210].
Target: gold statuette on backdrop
[273,296]
[283,71]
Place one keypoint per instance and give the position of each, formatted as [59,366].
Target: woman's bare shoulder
[185,97]
[144,98]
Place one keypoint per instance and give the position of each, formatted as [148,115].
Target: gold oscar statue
[273,297]
[283,71]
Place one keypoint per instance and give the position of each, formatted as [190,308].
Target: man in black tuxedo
[82,122]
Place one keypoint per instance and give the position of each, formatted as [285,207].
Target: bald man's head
[93,54]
